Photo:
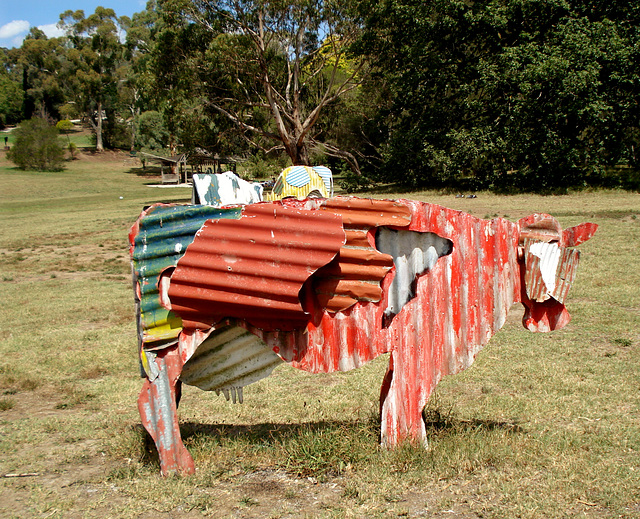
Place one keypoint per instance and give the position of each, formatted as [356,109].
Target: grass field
[81,137]
[541,426]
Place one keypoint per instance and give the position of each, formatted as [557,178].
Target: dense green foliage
[36,146]
[152,134]
[11,93]
[504,94]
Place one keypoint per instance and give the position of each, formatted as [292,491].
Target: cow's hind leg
[401,404]
[157,404]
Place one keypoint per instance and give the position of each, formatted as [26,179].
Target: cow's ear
[574,236]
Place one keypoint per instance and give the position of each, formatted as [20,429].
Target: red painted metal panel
[254,267]
[454,295]
[574,236]
[455,307]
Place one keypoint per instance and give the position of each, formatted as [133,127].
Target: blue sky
[17,16]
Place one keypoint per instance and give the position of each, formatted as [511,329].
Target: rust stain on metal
[254,267]
[364,212]
[328,285]
[356,273]
[540,227]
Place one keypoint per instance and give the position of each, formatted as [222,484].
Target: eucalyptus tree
[11,94]
[41,62]
[137,84]
[274,66]
[96,51]
[176,48]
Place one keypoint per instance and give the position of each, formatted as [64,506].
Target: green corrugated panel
[164,233]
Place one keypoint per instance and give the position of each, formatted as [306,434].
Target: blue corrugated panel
[326,176]
[298,176]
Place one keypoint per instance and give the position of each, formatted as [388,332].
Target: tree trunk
[99,144]
[173,150]
[135,112]
[298,152]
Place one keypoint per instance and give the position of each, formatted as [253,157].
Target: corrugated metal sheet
[541,227]
[579,234]
[326,176]
[228,360]
[254,268]
[550,270]
[461,301]
[467,274]
[157,241]
[366,212]
[356,273]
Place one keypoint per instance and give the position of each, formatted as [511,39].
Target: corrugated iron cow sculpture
[225,294]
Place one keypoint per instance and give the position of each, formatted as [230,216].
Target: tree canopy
[524,93]
[95,51]
[503,94]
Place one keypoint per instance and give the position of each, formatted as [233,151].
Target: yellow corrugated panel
[283,189]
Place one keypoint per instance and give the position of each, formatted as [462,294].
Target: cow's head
[548,268]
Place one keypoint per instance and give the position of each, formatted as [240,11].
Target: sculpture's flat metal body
[328,285]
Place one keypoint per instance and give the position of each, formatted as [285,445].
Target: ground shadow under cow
[265,434]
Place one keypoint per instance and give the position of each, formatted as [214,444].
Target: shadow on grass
[304,448]
[322,434]
[149,171]
[441,424]
[265,433]
[326,448]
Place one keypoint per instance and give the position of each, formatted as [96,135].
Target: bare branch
[241,124]
[334,151]
[345,87]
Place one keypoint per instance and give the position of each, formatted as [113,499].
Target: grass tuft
[623,342]
[7,403]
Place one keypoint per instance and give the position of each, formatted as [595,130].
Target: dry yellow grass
[541,426]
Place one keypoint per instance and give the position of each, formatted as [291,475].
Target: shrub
[36,146]
[152,133]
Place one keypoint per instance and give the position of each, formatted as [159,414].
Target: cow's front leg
[157,403]
[401,404]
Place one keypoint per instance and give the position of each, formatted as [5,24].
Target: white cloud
[14,28]
[51,30]
[17,41]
